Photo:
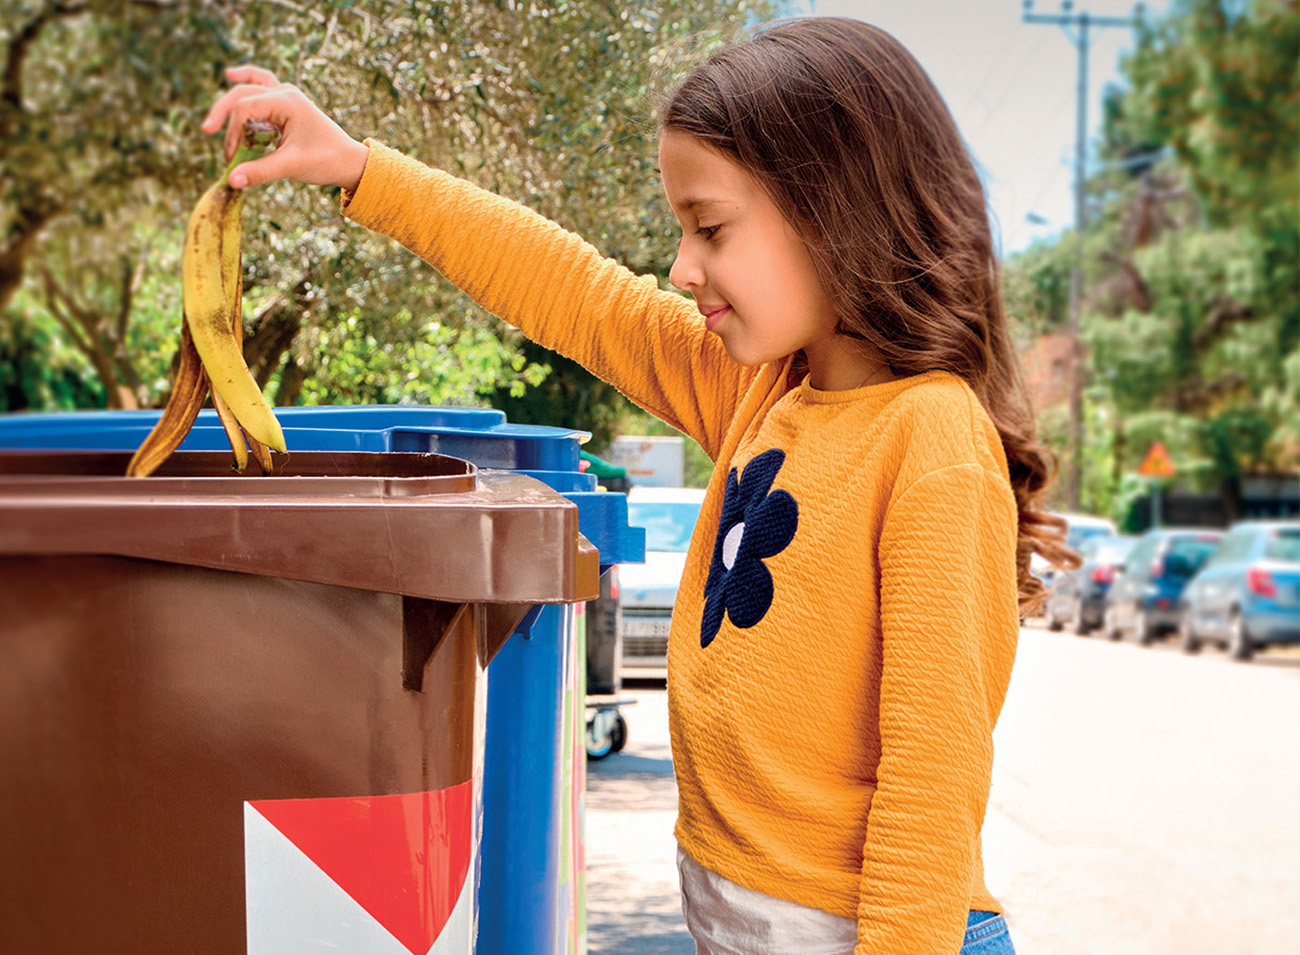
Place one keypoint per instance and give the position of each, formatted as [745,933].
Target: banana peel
[187,397]
[212,333]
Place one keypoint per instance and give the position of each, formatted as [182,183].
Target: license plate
[632,627]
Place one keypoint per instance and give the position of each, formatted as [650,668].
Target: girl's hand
[313,148]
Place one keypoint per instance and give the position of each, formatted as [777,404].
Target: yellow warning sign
[1157,463]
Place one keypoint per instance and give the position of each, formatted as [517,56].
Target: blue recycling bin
[531,888]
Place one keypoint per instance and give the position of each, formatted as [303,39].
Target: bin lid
[479,435]
[420,525]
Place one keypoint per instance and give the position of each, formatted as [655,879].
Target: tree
[102,160]
[1192,268]
[85,138]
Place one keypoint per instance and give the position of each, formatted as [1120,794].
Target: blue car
[1247,595]
[1144,599]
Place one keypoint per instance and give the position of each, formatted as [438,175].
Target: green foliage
[36,371]
[1218,82]
[568,397]
[1036,288]
[435,364]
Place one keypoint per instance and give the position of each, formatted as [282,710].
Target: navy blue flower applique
[754,525]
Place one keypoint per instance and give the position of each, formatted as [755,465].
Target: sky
[1011,88]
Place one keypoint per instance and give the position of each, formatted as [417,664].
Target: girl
[847,621]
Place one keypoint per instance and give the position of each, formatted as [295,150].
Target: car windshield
[1193,550]
[668,524]
[1284,545]
[1110,550]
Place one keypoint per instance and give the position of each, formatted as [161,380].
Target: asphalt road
[1144,803]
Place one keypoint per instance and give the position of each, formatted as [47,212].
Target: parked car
[1143,600]
[1080,528]
[1247,595]
[1078,597]
[647,591]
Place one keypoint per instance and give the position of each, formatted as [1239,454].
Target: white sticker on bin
[384,875]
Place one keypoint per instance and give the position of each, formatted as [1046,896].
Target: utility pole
[1076,26]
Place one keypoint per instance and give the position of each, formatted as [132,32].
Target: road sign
[1157,463]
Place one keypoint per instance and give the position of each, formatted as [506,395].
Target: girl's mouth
[711,318]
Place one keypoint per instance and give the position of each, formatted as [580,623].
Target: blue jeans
[986,934]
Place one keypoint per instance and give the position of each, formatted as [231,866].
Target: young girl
[847,621]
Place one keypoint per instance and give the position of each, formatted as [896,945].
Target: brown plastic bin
[246,714]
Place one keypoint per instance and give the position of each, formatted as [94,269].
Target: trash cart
[532,894]
[248,714]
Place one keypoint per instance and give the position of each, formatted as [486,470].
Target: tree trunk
[99,337]
[291,381]
[274,331]
[1230,495]
[26,227]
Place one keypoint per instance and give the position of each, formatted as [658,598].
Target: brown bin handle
[426,622]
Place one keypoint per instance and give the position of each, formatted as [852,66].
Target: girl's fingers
[250,80]
[252,74]
[216,117]
[274,165]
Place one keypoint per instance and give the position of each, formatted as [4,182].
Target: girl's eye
[707,231]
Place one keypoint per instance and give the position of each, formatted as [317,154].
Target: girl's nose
[685,273]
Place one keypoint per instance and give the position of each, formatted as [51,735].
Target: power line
[977,95]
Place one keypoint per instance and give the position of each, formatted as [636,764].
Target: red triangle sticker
[403,858]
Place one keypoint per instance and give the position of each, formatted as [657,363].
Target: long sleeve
[558,290]
[949,626]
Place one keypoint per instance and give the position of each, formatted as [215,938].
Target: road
[1144,803]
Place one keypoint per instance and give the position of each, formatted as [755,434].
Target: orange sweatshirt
[845,629]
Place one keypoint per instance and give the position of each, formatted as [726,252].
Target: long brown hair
[849,136]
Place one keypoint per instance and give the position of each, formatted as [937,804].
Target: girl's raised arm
[559,290]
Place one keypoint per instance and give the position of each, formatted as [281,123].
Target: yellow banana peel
[178,416]
[234,433]
[212,332]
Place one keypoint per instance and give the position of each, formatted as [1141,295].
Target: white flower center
[731,544]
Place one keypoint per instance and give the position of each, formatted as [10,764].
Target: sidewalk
[633,902]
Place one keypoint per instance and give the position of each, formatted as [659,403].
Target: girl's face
[749,272]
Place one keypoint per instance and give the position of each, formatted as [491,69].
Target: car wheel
[1053,621]
[1239,645]
[1108,624]
[1187,638]
[1078,625]
[1143,632]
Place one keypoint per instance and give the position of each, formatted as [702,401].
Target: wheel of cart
[606,727]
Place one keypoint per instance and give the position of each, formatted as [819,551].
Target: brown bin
[246,714]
